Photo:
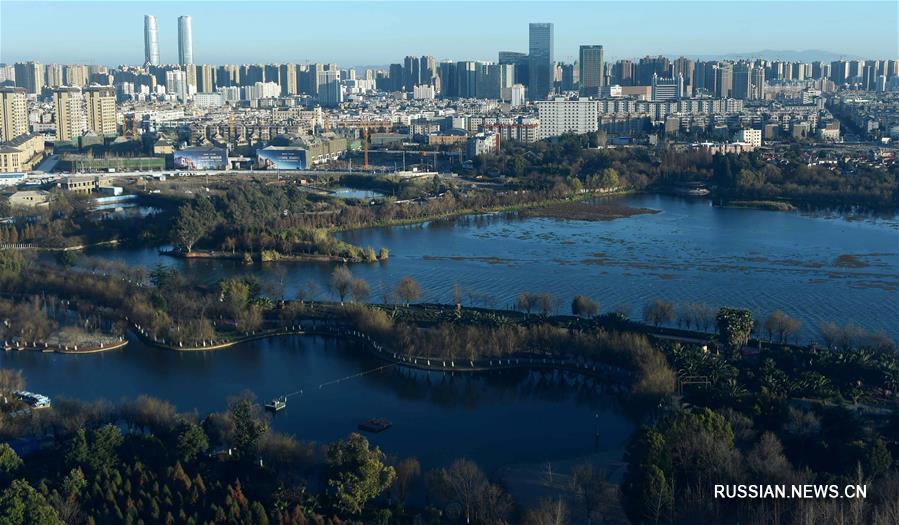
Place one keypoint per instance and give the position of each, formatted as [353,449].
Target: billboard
[201,159]
[281,158]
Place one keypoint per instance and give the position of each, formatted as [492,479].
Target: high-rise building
[623,73]
[99,105]
[427,69]
[667,88]
[411,72]
[449,79]
[649,66]
[151,41]
[75,75]
[724,74]
[185,41]
[13,113]
[176,84]
[68,106]
[592,70]
[520,63]
[205,78]
[561,116]
[742,80]
[684,67]
[54,75]
[540,60]
[30,75]
[330,93]
[757,81]
[288,75]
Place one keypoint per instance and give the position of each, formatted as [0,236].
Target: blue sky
[362,33]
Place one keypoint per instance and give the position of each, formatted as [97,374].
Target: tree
[407,470]
[193,222]
[11,263]
[609,178]
[248,428]
[10,463]
[359,290]
[191,441]
[526,301]
[341,282]
[408,290]
[357,473]
[583,306]
[658,312]
[782,325]
[547,512]
[21,504]
[463,481]
[656,497]
[734,327]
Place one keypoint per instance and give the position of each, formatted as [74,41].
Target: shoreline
[607,373]
[65,350]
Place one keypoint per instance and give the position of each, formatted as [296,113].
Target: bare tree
[408,290]
[547,512]
[658,312]
[341,282]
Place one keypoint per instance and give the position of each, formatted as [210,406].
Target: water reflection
[496,418]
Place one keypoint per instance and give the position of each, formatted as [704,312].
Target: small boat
[277,404]
[375,425]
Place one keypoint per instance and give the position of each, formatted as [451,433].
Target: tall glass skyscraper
[151,41]
[540,67]
[185,42]
[592,70]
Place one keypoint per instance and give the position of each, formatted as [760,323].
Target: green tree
[103,447]
[734,327]
[191,441]
[21,504]
[248,429]
[10,463]
[357,473]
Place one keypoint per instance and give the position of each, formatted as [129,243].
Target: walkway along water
[604,372]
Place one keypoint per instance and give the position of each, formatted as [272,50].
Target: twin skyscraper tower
[151,41]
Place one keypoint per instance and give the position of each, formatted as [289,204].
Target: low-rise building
[22,153]
[30,199]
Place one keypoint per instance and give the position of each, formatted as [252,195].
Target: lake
[497,419]
[816,267]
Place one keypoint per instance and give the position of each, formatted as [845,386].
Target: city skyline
[611,24]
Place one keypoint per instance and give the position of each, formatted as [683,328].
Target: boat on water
[375,425]
[277,404]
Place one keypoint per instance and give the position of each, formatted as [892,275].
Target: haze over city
[375,33]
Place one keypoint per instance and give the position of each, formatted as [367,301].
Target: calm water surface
[689,251]
[497,419]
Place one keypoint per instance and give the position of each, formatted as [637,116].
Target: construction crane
[365,124]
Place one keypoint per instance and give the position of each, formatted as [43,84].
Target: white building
[751,136]
[560,116]
[209,100]
[425,92]
[514,94]
[176,84]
